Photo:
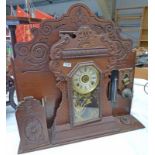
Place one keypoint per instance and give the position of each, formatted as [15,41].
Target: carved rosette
[39,53]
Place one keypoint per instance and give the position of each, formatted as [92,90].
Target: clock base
[110,125]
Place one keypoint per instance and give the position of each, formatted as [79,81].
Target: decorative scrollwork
[34,55]
[98,28]
[39,51]
[38,55]
[57,54]
[23,51]
[54,66]
[44,40]
[57,48]
[109,28]
[36,58]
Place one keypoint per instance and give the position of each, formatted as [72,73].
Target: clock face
[85,79]
[85,95]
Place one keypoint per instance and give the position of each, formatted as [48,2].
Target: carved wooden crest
[87,43]
[34,55]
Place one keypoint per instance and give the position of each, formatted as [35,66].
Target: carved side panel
[32,125]
[34,55]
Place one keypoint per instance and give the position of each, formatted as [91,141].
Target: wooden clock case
[43,70]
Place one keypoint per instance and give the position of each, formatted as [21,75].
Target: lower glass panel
[85,107]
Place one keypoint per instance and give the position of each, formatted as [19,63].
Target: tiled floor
[130,143]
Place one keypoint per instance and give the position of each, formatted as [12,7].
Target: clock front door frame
[70,92]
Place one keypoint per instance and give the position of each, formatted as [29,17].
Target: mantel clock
[74,81]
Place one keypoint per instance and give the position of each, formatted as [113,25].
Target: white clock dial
[85,79]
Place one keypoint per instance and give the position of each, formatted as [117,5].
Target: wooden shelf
[131,29]
[132,16]
[129,17]
[131,8]
[141,73]
[143,40]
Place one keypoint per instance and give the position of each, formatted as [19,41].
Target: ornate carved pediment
[34,55]
[87,43]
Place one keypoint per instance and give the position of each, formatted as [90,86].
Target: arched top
[79,9]
[34,55]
